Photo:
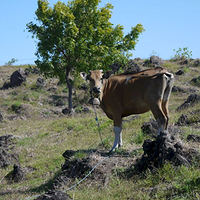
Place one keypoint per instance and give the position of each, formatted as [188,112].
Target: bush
[182,54]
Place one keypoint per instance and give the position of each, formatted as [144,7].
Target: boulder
[17,78]
[156,61]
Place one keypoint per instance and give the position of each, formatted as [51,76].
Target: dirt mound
[166,148]
[100,166]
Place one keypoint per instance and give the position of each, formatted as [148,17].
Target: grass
[43,134]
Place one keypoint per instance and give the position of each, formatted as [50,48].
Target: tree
[78,37]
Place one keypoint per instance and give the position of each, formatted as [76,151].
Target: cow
[123,94]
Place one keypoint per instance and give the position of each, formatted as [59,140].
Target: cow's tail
[170,80]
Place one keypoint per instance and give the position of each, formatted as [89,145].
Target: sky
[169,24]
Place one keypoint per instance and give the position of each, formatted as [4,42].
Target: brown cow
[123,95]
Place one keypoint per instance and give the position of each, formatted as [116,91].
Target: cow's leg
[166,112]
[118,133]
[159,115]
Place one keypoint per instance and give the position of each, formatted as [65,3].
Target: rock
[131,67]
[183,120]
[7,158]
[17,78]
[193,138]
[166,148]
[196,63]
[195,81]
[18,174]
[191,100]
[178,89]
[156,61]
[52,89]
[54,195]
[180,72]
[40,82]
[65,111]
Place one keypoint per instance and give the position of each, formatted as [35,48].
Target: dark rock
[195,81]
[18,174]
[183,61]
[178,89]
[65,111]
[52,89]
[191,100]
[196,63]
[68,153]
[54,195]
[166,148]
[183,120]
[194,138]
[17,78]
[180,72]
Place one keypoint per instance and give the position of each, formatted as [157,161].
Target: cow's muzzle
[96,91]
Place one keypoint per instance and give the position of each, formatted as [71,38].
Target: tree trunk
[70,106]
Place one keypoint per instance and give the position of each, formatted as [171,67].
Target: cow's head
[96,80]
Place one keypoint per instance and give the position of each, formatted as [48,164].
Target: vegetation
[11,62]
[42,134]
[182,53]
[77,37]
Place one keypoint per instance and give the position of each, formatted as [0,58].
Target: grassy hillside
[41,134]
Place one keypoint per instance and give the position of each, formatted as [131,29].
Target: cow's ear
[83,75]
[107,74]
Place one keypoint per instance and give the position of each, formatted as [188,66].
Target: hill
[42,148]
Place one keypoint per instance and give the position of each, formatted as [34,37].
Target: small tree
[78,37]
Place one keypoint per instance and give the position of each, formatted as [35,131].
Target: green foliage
[79,35]
[182,53]
[11,62]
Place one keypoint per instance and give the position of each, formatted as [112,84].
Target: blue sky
[169,25]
